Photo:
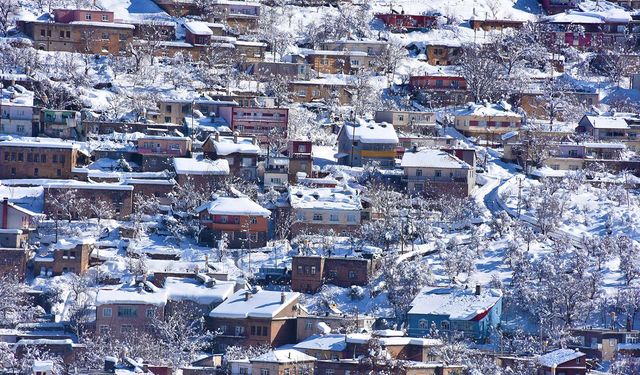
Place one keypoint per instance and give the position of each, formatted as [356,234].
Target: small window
[353,275]
[151,313]
[317,217]
[333,217]
[87,16]
[351,218]
[36,172]
[444,325]
[107,312]
[105,18]
[254,220]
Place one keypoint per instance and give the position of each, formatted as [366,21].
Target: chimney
[235,137]
[478,289]
[217,137]
[282,297]
[247,295]
[5,212]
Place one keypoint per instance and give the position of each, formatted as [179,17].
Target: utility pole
[519,194]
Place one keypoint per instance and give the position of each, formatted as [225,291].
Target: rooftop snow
[283,356]
[369,131]
[185,289]
[227,146]
[607,122]
[262,304]
[130,295]
[558,357]
[429,158]
[198,28]
[457,304]
[37,142]
[487,110]
[104,24]
[337,198]
[234,206]
[332,342]
[201,166]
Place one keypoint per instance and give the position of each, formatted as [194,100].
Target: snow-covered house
[562,361]
[337,62]
[200,293]
[310,273]
[17,114]
[116,196]
[319,210]
[38,158]
[321,91]
[122,310]
[242,222]
[411,121]
[240,152]
[200,171]
[604,127]
[369,46]
[436,172]
[157,151]
[78,30]
[198,33]
[283,361]
[585,29]
[440,89]
[256,316]
[486,121]
[59,123]
[264,123]
[401,22]
[64,256]
[473,313]
[366,141]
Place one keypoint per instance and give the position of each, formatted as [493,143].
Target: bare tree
[481,71]
[8,9]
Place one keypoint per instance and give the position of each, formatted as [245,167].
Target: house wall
[79,38]
[237,229]
[443,55]
[18,120]
[306,93]
[121,200]
[459,182]
[113,325]
[13,261]
[282,368]
[18,162]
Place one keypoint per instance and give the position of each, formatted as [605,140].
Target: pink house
[81,15]
[260,122]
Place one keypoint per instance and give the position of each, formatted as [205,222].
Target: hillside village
[329,187]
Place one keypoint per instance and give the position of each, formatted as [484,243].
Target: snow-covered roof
[369,131]
[37,142]
[185,289]
[487,110]
[201,166]
[430,158]
[457,304]
[331,342]
[229,145]
[131,295]
[283,356]
[607,122]
[73,184]
[338,198]
[45,342]
[198,28]
[558,357]
[234,206]
[67,244]
[363,338]
[260,304]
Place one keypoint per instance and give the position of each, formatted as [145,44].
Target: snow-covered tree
[482,72]
[15,302]
[8,9]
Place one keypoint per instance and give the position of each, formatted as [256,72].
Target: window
[423,324]
[42,32]
[418,172]
[68,34]
[87,16]
[151,313]
[333,217]
[61,33]
[61,159]
[103,328]
[36,172]
[13,171]
[329,371]
[43,158]
[20,156]
[55,159]
[444,325]
[58,172]
[239,330]
[105,35]
[299,270]
[287,371]
[313,270]
[351,218]
[353,274]
[254,220]
[126,328]
[107,312]
[105,18]
[317,217]
[309,325]
[438,173]
[224,219]
[244,371]
[253,330]
[264,371]
[123,37]
[126,312]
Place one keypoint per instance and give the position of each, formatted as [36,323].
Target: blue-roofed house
[472,312]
